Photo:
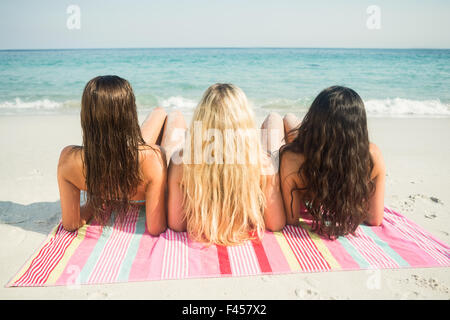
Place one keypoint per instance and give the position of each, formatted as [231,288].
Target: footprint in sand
[430,216]
[306,293]
[97,295]
[436,200]
[429,283]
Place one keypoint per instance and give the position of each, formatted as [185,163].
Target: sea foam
[396,107]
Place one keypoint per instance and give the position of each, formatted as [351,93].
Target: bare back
[71,180]
[290,180]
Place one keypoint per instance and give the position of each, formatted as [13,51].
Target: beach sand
[417,155]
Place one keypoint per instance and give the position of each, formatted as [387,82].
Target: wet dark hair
[111,140]
[333,138]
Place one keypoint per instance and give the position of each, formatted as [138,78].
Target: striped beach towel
[126,252]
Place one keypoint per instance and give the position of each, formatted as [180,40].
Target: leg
[173,135]
[153,126]
[291,123]
[272,133]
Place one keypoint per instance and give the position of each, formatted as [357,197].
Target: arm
[376,201]
[288,174]
[175,215]
[155,193]
[274,215]
[73,217]
[291,123]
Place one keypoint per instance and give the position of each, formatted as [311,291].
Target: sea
[392,82]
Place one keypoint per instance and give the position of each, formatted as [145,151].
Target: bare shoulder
[70,166]
[290,161]
[70,158]
[176,166]
[377,158]
[152,159]
[374,150]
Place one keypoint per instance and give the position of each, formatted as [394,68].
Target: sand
[417,155]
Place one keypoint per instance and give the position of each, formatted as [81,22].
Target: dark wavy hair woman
[119,163]
[329,168]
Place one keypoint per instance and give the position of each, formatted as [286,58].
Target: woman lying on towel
[222,186]
[119,163]
[329,168]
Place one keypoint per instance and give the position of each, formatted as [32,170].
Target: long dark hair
[333,138]
[111,140]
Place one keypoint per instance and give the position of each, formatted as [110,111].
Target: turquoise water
[391,82]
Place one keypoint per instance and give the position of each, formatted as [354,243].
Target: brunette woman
[119,164]
[329,168]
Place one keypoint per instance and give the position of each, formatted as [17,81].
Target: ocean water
[391,82]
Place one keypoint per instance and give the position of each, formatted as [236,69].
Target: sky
[42,24]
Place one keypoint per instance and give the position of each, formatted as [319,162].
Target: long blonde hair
[223,194]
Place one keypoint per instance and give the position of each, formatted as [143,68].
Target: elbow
[375,221]
[275,226]
[155,231]
[292,221]
[177,227]
[70,227]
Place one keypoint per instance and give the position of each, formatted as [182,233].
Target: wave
[178,102]
[374,107]
[34,105]
[37,106]
[406,107]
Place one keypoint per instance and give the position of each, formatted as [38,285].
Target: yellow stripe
[321,246]
[56,273]
[287,251]
[28,264]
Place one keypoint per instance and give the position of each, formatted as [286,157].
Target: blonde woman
[222,187]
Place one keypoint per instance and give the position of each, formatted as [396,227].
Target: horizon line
[228,47]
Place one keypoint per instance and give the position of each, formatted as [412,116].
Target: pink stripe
[287,234]
[341,255]
[38,273]
[275,255]
[106,268]
[366,252]
[203,260]
[389,262]
[314,255]
[44,258]
[145,267]
[421,242]
[81,255]
[299,251]
[243,260]
[118,253]
[439,251]
[47,269]
[175,256]
[250,257]
[38,260]
[296,247]
[404,247]
[118,258]
[370,251]
[167,256]
[311,252]
[101,260]
[425,241]
[252,254]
